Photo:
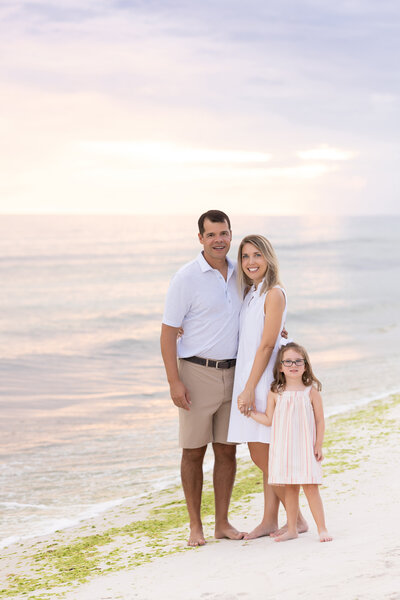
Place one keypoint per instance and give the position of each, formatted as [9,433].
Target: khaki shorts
[211,397]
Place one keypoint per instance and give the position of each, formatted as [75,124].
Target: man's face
[216,239]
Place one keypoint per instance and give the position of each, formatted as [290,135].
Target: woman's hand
[246,402]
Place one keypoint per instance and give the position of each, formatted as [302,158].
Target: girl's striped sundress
[293,433]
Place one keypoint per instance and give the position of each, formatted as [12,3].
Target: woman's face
[254,264]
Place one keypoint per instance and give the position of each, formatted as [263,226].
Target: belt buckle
[225,361]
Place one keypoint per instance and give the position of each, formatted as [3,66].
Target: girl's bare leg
[259,454]
[311,491]
[302,525]
[292,510]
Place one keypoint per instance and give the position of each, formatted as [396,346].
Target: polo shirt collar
[205,266]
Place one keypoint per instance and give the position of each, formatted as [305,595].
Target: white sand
[362,562]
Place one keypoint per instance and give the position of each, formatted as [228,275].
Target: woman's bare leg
[259,454]
[311,491]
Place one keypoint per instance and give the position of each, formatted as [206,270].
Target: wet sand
[138,550]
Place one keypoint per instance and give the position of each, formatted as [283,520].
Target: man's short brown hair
[215,216]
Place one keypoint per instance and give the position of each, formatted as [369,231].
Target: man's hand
[180,395]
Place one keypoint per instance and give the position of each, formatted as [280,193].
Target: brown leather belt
[207,362]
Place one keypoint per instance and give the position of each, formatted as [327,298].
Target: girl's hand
[318,452]
[246,402]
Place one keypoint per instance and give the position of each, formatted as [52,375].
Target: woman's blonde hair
[265,247]
[308,377]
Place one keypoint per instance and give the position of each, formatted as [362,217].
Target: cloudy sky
[152,106]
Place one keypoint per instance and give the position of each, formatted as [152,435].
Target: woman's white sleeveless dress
[241,428]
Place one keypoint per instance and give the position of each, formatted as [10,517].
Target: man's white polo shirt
[207,307]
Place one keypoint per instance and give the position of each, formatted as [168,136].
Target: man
[203,299]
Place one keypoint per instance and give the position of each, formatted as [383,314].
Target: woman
[262,319]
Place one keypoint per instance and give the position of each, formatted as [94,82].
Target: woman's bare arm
[274,307]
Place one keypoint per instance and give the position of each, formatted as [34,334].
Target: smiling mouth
[252,269]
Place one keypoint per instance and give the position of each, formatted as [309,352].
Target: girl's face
[293,364]
[254,264]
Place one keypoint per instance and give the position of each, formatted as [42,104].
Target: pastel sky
[168,106]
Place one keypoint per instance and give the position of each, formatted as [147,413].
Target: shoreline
[97,510]
[139,537]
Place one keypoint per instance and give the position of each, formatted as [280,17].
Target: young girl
[294,408]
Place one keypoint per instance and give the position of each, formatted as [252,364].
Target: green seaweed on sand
[58,566]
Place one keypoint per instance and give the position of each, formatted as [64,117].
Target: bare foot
[279,531]
[302,527]
[196,537]
[287,536]
[324,536]
[229,532]
[259,531]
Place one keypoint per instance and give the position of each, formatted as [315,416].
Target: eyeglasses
[299,362]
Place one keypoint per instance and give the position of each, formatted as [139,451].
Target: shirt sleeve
[177,303]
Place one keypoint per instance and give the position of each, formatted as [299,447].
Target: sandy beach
[138,550]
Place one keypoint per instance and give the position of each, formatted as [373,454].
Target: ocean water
[86,419]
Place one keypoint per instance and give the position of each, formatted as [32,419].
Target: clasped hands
[246,402]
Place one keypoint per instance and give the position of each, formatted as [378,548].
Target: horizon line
[191,214]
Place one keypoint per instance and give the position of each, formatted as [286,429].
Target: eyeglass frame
[294,362]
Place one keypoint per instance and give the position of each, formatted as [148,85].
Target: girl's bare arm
[316,401]
[265,418]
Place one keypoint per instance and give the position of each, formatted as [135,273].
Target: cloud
[153,152]
[326,153]
[219,90]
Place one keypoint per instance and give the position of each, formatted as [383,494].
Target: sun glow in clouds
[165,160]
[134,160]
[326,153]
[164,152]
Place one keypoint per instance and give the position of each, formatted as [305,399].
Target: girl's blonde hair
[308,377]
[265,247]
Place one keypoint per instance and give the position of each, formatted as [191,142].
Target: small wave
[126,346]
[161,483]
[20,505]
[343,408]
[54,525]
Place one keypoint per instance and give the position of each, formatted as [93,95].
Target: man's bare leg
[269,523]
[192,483]
[223,478]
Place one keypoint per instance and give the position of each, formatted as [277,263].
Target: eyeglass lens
[299,362]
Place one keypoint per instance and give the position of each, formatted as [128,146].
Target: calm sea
[86,419]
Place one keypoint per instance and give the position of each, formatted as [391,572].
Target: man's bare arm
[179,393]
